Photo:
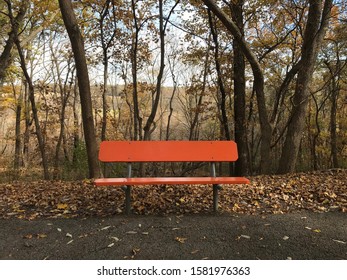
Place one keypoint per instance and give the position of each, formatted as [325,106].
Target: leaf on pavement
[245,236]
[181,239]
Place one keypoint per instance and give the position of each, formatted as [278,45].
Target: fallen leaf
[69,242]
[41,235]
[105,228]
[245,236]
[62,206]
[110,245]
[181,239]
[285,237]
[69,235]
[131,232]
[317,230]
[115,238]
[194,252]
[339,241]
[135,251]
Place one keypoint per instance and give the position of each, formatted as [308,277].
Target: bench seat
[170,181]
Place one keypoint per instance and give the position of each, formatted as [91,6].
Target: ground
[298,216]
[304,235]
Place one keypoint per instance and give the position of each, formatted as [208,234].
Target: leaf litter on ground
[320,191]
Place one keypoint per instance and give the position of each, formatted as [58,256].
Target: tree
[83,84]
[16,21]
[239,70]
[258,74]
[317,23]
[39,135]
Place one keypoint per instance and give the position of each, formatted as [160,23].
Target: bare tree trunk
[5,57]
[265,126]
[137,119]
[224,116]
[148,127]
[76,130]
[104,99]
[34,111]
[28,122]
[105,47]
[17,151]
[84,85]
[197,111]
[317,22]
[241,165]
[171,67]
[335,88]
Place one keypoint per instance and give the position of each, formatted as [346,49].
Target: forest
[269,75]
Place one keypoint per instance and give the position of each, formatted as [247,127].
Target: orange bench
[169,151]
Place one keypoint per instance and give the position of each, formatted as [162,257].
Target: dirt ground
[300,235]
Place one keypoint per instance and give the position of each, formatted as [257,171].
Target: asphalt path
[303,235]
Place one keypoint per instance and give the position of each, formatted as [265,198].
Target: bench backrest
[168,151]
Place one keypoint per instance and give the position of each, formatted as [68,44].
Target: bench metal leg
[127,190]
[215,198]
[216,188]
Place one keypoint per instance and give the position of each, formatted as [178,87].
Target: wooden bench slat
[168,151]
[170,181]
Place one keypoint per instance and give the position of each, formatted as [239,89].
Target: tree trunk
[265,126]
[335,88]
[34,111]
[224,116]
[317,23]
[83,84]
[5,57]
[17,152]
[171,109]
[105,47]
[148,127]
[241,165]
[28,122]
[137,119]
[104,100]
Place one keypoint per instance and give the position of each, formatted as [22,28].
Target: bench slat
[168,151]
[170,181]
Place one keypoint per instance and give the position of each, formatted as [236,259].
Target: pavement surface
[302,235]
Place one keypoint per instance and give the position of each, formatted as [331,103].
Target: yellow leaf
[62,206]
[317,230]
